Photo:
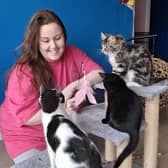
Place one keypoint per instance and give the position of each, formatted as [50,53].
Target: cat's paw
[104,121]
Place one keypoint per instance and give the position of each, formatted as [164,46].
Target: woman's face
[51,42]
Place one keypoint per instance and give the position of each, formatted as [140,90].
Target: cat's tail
[133,142]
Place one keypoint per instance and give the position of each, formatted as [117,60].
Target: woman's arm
[93,77]
[35,120]
[23,97]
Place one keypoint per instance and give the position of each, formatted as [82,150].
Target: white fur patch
[133,84]
[131,75]
[60,159]
[63,160]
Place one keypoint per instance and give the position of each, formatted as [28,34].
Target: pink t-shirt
[21,103]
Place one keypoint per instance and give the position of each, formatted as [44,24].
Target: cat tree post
[127,163]
[151,132]
[112,152]
[151,95]
[110,149]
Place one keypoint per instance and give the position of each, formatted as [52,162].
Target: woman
[47,60]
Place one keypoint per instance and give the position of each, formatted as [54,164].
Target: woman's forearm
[36,119]
[93,77]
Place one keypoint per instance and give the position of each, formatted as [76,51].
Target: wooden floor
[5,162]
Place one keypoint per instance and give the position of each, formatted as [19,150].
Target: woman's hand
[68,94]
[93,77]
[69,91]
[70,105]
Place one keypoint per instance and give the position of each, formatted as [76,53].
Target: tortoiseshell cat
[124,111]
[132,62]
[67,145]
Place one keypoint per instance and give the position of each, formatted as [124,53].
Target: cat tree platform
[89,120]
[151,94]
[41,160]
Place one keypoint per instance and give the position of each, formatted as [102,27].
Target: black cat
[124,111]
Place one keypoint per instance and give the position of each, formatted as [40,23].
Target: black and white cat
[124,111]
[132,62]
[68,146]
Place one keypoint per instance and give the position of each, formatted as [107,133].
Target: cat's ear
[42,89]
[102,75]
[61,96]
[103,35]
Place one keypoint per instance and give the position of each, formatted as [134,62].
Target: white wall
[142,16]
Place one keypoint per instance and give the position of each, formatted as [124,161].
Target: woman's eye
[45,40]
[57,38]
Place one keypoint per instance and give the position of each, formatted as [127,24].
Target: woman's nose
[53,44]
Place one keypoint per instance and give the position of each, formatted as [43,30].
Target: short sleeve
[81,57]
[22,95]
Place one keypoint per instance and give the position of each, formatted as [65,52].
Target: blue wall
[84,20]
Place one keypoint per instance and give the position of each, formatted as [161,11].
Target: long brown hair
[31,55]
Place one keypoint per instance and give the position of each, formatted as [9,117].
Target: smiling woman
[52,42]
[45,59]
